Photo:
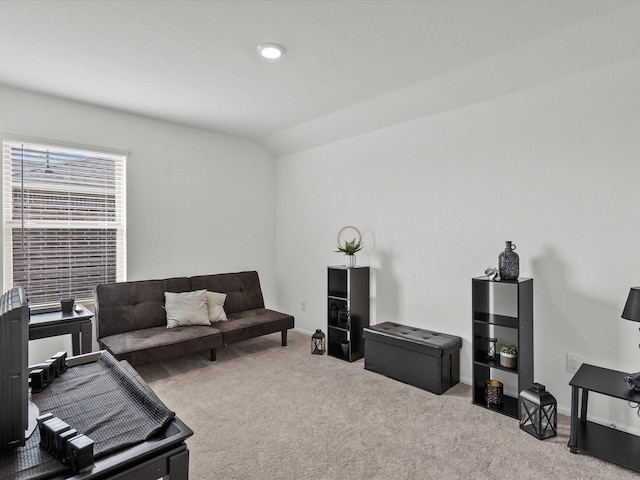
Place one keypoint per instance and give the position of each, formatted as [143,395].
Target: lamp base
[633,381]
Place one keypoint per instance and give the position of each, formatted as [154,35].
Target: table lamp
[632,312]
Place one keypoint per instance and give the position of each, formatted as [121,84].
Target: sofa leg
[213,354]
[284,338]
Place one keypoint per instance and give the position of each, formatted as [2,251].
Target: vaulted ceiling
[350,66]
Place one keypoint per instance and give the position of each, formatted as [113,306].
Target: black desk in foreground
[164,457]
[136,436]
[600,441]
[77,323]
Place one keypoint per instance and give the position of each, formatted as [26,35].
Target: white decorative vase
[351,261]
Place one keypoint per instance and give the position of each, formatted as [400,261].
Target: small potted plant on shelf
[509,356]
[350,249]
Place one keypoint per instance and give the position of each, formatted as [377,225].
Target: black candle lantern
[317,343]
[538,412]
[491,348]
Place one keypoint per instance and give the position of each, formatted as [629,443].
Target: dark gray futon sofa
[131,322]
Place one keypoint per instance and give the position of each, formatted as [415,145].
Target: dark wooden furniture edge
[166,455]
[601,441]
[77,324]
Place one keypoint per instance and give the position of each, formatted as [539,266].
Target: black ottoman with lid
[425,359]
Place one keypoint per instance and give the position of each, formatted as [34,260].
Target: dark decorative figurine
[509,263]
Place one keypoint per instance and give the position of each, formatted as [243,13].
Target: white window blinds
[64,225]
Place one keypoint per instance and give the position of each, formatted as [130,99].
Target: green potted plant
[509,356]
[350,249]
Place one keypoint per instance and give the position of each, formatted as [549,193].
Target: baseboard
[305,332]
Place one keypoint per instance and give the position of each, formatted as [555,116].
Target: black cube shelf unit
[487,323]
[347,311]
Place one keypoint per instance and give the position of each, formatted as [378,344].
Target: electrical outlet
[303,305]
[573,362]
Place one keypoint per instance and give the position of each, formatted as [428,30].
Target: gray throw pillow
[186,308]
[215,302]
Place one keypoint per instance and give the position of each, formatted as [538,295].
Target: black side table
[77,323]
[600,441]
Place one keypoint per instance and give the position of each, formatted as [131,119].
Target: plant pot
[508,360]
[350,261]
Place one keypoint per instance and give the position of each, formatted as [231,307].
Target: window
[63,217]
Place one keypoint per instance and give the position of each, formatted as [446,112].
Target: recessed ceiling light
[271,51]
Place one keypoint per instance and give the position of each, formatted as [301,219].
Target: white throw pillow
[186,308]
[215,301]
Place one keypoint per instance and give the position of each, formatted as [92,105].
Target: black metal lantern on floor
[317,343]
[538,412]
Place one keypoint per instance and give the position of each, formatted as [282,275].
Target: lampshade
[632,307]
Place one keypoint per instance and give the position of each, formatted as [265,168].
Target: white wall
[554,168]
[197,202]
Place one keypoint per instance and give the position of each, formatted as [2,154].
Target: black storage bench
[425,359]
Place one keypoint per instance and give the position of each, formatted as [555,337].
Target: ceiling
[195,62]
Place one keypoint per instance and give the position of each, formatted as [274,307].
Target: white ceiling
[195,62]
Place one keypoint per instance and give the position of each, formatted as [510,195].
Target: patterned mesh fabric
[106,400]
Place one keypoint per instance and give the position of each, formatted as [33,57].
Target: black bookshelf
[485,321]
[347,311]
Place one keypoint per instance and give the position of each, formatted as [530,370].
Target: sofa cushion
[253,323]
[159,343]
[186,308]
[215,306]
[125,306]
[242,289]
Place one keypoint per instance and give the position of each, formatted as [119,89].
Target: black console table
[77,323]
[600,441]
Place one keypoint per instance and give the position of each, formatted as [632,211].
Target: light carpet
[262,411]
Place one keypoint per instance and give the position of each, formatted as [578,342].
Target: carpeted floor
[262,411]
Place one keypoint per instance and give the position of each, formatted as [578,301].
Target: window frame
[10,222]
